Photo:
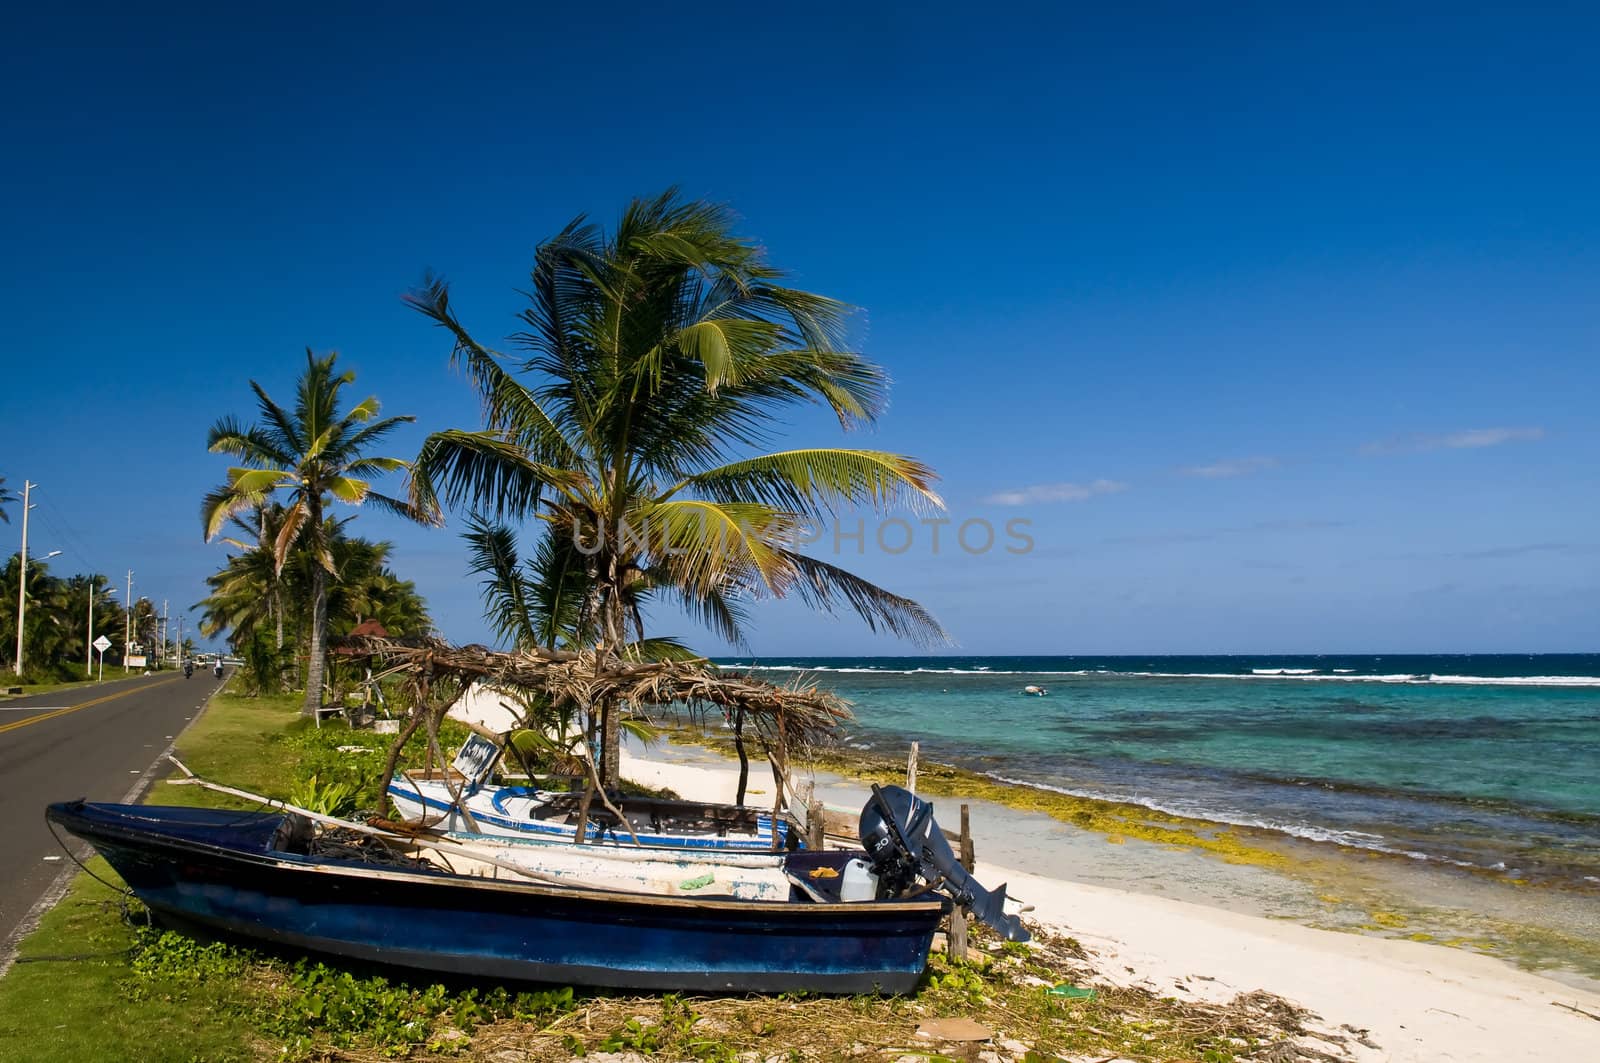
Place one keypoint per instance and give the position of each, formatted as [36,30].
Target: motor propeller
[905,844]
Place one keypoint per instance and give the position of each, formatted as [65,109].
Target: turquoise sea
[1486,762]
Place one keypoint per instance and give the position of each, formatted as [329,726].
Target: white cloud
[1222,470]
[1055,493]
[1466,439]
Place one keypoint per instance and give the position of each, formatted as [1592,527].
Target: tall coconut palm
[6,498]
[654,359]
[312,453]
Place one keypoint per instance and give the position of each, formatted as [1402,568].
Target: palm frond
[558,591]
[492,554]
[348,489]
[400,507]
[257,447]
[254,485]
[828,587]
[368,434]
[703,544]
[294,519]
[816,481]
[218,505]
[484,471]
[288,436]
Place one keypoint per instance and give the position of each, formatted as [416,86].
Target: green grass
[70,997]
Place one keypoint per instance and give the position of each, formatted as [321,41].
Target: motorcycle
[217,671]
[188,669]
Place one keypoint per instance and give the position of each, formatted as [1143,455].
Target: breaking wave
[1310,675]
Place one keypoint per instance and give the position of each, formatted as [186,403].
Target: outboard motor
[905,844]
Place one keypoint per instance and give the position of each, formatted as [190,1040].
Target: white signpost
[102,644]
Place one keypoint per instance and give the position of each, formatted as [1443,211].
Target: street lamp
[22,569]
[22,586]
[127,628]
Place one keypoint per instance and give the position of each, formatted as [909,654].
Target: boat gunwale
[62,813]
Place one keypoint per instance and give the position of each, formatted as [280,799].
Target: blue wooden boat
[256,874]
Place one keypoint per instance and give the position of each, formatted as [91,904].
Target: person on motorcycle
[188,668]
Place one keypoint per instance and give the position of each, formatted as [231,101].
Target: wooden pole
[957,946]
[780,776]
[911,769]
[744,757]
[816,835]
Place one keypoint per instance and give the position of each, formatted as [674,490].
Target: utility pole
[161,659]
[22,572]
[88,638]
[127,627]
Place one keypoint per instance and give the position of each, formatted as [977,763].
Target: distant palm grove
[64,617]
[623,437]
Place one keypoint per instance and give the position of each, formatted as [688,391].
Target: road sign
[102,644]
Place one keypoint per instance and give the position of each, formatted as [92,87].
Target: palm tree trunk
[319,638]
[281,666]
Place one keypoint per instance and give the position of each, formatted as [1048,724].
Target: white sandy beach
[1418,1001]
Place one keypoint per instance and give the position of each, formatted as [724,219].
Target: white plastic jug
[858,883]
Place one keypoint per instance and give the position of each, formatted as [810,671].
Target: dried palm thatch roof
[792,716]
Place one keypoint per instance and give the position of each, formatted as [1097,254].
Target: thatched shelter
[788,719]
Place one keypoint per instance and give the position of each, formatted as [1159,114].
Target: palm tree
[543,601]
[653,357]
[46,634]
[107,617]
[146,628]
[313,453]
[6,498]
[260,565]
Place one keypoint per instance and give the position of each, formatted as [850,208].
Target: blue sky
[1278,327]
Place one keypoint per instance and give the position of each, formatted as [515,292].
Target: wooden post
[911,769]
[744,757]
[581,831]
[816,830]
[957,943]
[780,774]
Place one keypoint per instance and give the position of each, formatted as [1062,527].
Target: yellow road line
[74,708]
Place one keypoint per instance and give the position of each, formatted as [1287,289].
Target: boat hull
[220,870]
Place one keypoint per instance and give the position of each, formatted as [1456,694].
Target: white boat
[550,816]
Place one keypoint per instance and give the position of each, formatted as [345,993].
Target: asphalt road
[103,742]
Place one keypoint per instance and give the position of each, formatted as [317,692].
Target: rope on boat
[124,892]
